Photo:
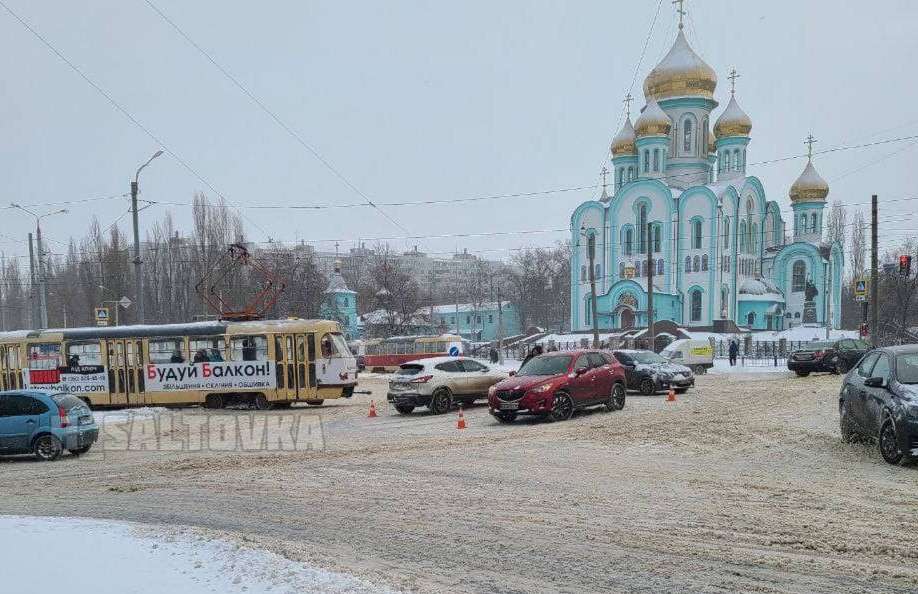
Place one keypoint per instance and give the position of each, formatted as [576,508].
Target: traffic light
[905,265]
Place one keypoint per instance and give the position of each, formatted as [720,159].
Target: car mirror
[580,370]
[875,382]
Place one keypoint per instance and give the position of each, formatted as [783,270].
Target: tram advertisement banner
[223,375]
[78,379]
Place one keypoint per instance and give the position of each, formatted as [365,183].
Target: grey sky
[428,100]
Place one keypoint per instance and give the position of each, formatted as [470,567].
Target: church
[685,211]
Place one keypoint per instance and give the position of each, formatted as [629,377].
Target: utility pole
[591,250]
[500,328]
[42,281]
[650,271]
[874,273]
[138,263]
[33,306]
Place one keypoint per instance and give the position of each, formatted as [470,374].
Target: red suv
[554,385]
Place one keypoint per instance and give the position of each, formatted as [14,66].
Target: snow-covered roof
[465,307]
[759,289]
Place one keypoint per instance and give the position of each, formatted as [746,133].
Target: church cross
[336,250]
[604,172]
[733,76]
[627,102]
[680,11]
[810,141]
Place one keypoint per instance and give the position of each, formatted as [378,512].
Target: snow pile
[760,366]
[126,415]
[805,332]
[101,557]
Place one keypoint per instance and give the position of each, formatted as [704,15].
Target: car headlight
[542,389]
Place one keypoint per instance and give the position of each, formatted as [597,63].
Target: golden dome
[623,143]
[809,187]
[681,73]
[653,121]
[733,121]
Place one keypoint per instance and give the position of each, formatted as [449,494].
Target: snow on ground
[110,417]
[759,366]
[804,333]
[103,557]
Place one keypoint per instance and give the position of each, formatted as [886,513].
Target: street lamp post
[138,263]
[42,278]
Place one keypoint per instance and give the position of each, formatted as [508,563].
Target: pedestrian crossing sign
[860,290]
[102,317]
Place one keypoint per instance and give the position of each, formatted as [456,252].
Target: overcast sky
[427,100]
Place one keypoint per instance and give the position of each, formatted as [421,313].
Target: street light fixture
[42,281]
[138,264]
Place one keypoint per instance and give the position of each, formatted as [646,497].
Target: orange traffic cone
[460,424]
[671,395]
[372,409]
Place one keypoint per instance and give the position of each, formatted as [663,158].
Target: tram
[386,354]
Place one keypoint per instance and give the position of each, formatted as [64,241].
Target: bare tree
[857,246]
[835,227]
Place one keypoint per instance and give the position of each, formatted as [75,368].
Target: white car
[440,382]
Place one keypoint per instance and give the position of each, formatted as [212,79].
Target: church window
[724,300]
[687,131]
[751,318]
[629,241]
[798,283]
[583,273]
[621,270]
[704,136]
[736,160]
[657,238]
[754,240]
[688,263]
[696,305]
[704,262]
[630,173]
[696,234]
[696,264]
[742,237]
[642,228]
[619,173]
[726,232]
[727,165]
[815,226]
[660,267]
[656,159]
[646,161]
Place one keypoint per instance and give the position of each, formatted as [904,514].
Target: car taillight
[423,379]
[65,418]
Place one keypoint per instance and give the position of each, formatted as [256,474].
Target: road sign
[102,317]
[125,302]
[860,290]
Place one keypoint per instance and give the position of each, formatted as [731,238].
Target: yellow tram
[263,363]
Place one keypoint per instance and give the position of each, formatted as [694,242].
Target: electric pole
[138,263]
[42,281]
[500,328]
[874,273]
[650,271]
[591,250]
[33,307]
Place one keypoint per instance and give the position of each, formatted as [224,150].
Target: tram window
[12,357]
[300,350]
[167,350]
[44,356]
[334,345]
[249,348]
[87,353]
[206,348]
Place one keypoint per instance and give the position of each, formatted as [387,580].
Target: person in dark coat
[734,351]
[493,355]
[534,352]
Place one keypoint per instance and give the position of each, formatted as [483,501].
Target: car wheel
[259,402]
[47,448]
[213,401]
[315,402]
[441,401]
[846,426]
[648,387]
[505,417]
[700,370]
[617,398]
[563,407]
[80,451]
[801,373]
[404,409]
[888,442]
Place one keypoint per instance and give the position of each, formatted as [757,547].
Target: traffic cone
[671,395]
[372,409]
[460,424]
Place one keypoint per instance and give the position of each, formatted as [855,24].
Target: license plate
[509,405]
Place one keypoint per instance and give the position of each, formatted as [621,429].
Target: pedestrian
[534,352]
[734,351]
[493,355]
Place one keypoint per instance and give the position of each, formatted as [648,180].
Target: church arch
[688,263]
[798,279]
[646,161]
[696,264]
[704,262]
[687,141]
[695,302]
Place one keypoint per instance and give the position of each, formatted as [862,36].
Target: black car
[879,399]
[649,373]
[831,356]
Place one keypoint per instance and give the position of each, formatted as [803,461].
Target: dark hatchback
[650,373]
[830,356]
[879,400]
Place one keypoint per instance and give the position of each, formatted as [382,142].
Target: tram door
[125,374]
[287,373]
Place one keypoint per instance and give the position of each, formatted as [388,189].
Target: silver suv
[440,382]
